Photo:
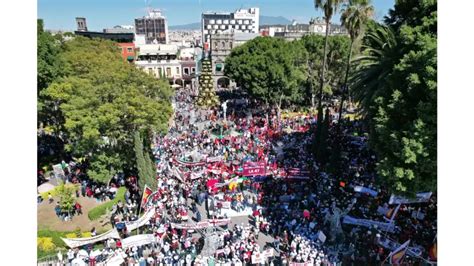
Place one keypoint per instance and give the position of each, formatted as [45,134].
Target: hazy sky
[60,14]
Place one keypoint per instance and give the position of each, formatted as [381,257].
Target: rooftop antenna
[148,5]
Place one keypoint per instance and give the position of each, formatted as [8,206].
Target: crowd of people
[202,160]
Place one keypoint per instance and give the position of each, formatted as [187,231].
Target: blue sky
[60,14]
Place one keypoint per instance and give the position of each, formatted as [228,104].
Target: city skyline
[60,15]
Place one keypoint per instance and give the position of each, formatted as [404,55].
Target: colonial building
[178,65]
[221,46]
[188,60]
[159,60]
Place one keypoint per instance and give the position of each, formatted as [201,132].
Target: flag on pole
[433,253]
[390,215]
[396,256]
[146,193]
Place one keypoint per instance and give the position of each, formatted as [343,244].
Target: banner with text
[420,198]
[389,227]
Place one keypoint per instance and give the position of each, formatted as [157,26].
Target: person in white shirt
[70,255]
[60,257]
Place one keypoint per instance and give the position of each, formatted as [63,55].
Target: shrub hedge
[100,210]
[54,191]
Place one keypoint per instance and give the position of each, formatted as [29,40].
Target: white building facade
[242,20]
[159,60]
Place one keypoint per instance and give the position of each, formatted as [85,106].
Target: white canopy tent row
[113,233]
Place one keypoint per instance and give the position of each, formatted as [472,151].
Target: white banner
[268,253]
[58,171]
[369,191]
[420,197]
[389,227]
[201,225]
[258,258]
[138,240]
[392,245]
[114,260]
[141,221]
[321,237]
[77,242]
[225,204]
[214,159]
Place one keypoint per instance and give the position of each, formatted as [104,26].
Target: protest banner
[321,237]
[268,253]
[420,198]
[258,258]
[58,171]
[138,240]
[254,169]
[188,164]
[214,159]
[77,242]
[369,191]
[389,227]
[141,221]
[393,245]
[201,225]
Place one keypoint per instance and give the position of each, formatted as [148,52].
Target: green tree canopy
[396,85]
[104,100]
[269,68]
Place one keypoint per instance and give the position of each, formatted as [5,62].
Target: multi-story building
[117,37]
[187,59]
[185,37]
[153,26]
[120,29]
[127,51]
[297,31]
[178,65]
[242,20]
[160,60]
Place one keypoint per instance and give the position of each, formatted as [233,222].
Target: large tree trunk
[321,85]
[345,88]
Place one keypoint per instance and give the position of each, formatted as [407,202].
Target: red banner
[254,169]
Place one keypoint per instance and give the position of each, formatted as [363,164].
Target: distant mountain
[264,20]
[190,26]
[267,20]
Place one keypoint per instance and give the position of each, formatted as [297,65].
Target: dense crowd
[295,212]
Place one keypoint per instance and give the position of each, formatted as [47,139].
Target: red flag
[146,193]
[398,254]
[433,254]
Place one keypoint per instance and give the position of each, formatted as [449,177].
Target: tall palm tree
[329,7]
[354,17]
[380,54]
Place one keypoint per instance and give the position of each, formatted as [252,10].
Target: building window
[230,45]
[193,70]
[160,74]
[186,70]
[168,72]
[215,45]
[177,70]
[218,67]
[223,45]
[129,49]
